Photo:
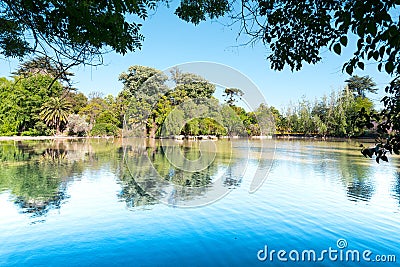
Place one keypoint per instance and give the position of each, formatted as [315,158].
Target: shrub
[104,129]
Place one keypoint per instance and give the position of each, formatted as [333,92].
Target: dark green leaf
[343,40]
[337,48]
[371,28]
[389,67]
[375,55]
[349,69]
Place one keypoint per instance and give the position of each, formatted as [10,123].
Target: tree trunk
[153,130]
[57,127]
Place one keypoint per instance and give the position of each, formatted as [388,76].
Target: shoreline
[24,138]
[277,137]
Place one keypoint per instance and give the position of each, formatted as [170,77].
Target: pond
[140,202]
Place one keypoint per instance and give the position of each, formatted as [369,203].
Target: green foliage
[359,86]
[231,121]
[76,30]
[196,11]
[46,66]
[40,129]
[107,117]
[8,109]
[296,32]
[143,87]
[388,124]
[55,112]
[93,109]
[22,100]
[77,100]
[149,100]
[173,126]
[104,129]
[189,85]
[337,116]
[265,120]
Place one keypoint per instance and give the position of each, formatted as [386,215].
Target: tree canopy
[76,30]
[294,31]
[359,86]
[297,31]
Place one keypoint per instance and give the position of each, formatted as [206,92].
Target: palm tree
[55,112]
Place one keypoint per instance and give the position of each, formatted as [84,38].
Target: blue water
[315,194]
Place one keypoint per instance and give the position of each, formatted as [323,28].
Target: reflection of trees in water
[150,175]
[37,173]
[133,194]
[37,186]
[360,190]
[231,179]
[356,177]
[354,172]
[40,206]
[13,152]
[53,155]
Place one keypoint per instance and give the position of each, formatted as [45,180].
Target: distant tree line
[335,115]
[39,100]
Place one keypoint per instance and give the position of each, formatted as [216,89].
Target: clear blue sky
[170,41]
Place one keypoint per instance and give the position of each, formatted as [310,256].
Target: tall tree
[143,87]
[359,86]
[190,85]
[266,120]
[77,100]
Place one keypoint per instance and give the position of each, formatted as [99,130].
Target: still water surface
[134,202]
